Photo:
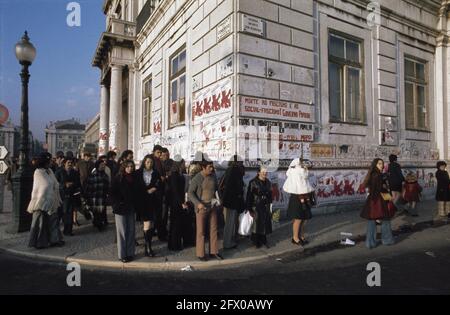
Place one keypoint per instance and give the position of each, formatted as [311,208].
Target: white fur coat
[297,181]
[45,195]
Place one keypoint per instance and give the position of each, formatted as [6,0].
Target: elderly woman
[259,201]
[44,203]
[301,199]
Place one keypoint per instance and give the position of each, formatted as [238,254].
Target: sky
[63,83]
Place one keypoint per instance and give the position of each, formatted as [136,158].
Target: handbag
[386,196]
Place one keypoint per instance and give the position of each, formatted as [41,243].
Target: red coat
[412,191]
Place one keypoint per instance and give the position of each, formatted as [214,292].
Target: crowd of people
[184,206]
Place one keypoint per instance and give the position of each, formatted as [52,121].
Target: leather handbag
[386,196]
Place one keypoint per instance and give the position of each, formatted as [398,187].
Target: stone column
[115,109]
[104,121]
[442,73]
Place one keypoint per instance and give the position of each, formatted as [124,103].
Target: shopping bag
[245,223]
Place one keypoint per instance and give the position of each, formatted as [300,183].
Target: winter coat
[96,190]
[412,191]
[45,195]
[396,177]
[64,177]
[233,189]
[123,194]
[259,199]
[376,208]
[443,182]
[297,181]
[146,203]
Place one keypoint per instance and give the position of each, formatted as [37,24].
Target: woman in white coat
[44,204]
[301,199]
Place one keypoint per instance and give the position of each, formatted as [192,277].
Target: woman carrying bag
[378,206]
[301,199]
[259,202]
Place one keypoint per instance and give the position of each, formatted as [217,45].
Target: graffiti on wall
[337,186]
[212,100]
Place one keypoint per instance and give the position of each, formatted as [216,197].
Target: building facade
[66,135]
[340,82]
[92,130]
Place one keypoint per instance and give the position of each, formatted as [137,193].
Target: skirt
[298,210]
[44,230]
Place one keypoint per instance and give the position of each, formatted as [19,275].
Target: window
[346,80]
[416,87]
[146,106]
[177,106]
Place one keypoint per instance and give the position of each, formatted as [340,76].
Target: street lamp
[23,178]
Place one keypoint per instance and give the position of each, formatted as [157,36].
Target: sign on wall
[265,108]
[253,25]
[224,29]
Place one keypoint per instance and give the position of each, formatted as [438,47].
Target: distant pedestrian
[232,200]
[147,184]
[176,201]
[396,181]
[377,205]
[443,191]
[412,193]
[70,189]
[44,203]
[202,193]
[160,219]
[123,195]
[126,155]
[259,203]
[301,191]
[112,163]
[96,192]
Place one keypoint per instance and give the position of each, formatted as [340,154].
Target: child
[412,193]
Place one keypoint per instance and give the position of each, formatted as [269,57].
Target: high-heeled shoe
[299,243]
[304,241]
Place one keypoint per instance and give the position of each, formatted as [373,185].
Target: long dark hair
[123,166]
[373,169]
[148,156]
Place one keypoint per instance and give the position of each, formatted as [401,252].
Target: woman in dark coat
[232,191]
[442,192]
[147,184]
[259,200]
[123,197]
[376,207]
[96,192]
[177,205]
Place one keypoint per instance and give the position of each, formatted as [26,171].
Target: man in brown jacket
[203,194]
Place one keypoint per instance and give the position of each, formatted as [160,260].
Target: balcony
[119,32]
[146,12]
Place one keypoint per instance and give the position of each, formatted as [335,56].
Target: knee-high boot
[148,235]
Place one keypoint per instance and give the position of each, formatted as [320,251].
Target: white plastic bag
[245,223]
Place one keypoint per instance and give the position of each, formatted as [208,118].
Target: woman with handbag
[378,206]
[301,199]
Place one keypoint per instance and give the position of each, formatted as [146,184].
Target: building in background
[343,82]
[66,135]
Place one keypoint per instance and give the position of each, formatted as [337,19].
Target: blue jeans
[386,234]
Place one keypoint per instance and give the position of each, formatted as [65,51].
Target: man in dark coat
[396,180]
[443,190]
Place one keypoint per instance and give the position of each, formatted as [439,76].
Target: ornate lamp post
[23,178]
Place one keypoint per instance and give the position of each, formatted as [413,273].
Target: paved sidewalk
[97,249]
